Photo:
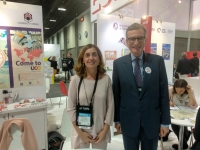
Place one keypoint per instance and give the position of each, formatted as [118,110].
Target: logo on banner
[163,31]
[170,31]
[28,17]
[99,6]
[115,26]
[159,30]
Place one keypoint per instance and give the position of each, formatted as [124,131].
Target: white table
[183,122]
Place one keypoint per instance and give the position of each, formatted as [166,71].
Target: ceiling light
[62,9]
[144,17]
[179,1]
[46,28]
[53,20]
[196,21]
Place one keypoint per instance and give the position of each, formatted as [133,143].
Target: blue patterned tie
[137,72]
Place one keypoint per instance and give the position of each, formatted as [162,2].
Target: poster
[166,51]
[110,56]
[125,52]
[153,48]
[27,59]
[4,61]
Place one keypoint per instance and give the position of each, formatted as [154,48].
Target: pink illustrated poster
[27,59]
[110,56]
[4,60]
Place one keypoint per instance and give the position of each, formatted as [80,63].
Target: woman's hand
[188,88]
[171,104]
[86,137]
[100,137]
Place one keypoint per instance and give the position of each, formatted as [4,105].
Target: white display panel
[24,43]
[111,35]
[163,35]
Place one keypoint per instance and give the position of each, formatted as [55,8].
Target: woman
[91,127]
[54,63]
[182,95]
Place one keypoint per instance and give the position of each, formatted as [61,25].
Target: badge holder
[84,114]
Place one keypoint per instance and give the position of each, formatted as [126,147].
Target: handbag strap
[94,90]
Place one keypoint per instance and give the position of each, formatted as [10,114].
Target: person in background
[183,67]
[70,63]
[194,65]
[90,72]
[54,64]
[141,97]
[181,94]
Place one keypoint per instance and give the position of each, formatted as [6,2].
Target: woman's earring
[83,65]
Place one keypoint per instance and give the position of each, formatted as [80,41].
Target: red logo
[99,7]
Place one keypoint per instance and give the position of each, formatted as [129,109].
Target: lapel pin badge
[148,70]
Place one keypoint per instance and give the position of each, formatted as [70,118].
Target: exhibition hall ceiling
[50,12]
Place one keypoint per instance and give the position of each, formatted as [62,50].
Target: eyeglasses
[139,39]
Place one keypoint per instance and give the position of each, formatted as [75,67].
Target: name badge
[84,116]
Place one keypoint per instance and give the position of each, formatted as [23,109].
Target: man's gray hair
[183,54]
[136,26]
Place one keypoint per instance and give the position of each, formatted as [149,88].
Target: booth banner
[110,56]
[27,59]
[4,60]
[147,22]
[21,45]
[163,34]
[111,31]
[20,15]
[106,6]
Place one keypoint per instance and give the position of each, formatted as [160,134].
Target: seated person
[181,94]
[196,145]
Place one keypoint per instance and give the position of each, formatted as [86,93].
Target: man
[194,62]
[183,67]
[140,90]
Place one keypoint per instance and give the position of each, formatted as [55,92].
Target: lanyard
[95,85]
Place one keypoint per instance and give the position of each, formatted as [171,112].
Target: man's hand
[163,131]
[171,104]
[118,127]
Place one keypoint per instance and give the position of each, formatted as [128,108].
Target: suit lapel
[147,71]
[128,71]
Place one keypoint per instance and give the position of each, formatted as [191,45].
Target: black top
[183,66]
[54,63]
[67,64]
[195,64]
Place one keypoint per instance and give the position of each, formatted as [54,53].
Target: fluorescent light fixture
[53,20]
[179,1]
[46,28]
[62,9]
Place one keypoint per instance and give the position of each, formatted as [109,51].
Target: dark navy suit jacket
[148,109]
